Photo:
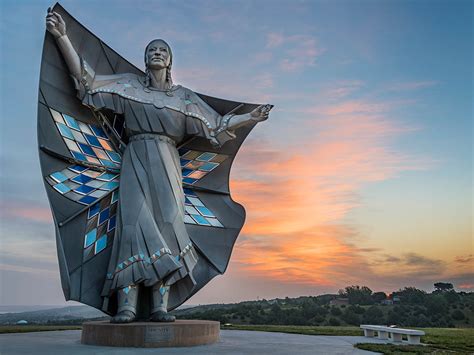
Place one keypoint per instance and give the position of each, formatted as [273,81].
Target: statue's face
[158,55]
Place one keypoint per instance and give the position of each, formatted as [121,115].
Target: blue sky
[370,139]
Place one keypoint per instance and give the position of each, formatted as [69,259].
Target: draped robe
[151,244]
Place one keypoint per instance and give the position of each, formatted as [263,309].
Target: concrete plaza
[231,342]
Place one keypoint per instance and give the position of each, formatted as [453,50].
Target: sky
[363,175]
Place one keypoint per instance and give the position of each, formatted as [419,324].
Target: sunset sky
[362,175]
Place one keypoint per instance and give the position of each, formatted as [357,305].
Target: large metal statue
[137,174]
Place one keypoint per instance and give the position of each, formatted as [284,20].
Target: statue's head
[158,55]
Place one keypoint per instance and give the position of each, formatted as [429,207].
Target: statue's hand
[260,113]
[55,24]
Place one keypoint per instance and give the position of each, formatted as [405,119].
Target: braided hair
[169,80]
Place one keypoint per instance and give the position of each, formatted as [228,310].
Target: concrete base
[150,334]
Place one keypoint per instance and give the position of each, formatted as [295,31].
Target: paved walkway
[231,342]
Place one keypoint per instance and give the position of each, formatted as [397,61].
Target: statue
[136,170]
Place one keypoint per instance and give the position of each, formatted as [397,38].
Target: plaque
[159,334]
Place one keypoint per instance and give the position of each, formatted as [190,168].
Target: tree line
[413,307]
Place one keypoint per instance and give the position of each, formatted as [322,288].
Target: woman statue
[150,222]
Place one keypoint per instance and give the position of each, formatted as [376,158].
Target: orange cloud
[312,257]
[296,199]
[317,184]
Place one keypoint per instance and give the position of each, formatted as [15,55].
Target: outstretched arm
[57,27]
[258,115]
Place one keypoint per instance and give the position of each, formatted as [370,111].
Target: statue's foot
[123,317]
[161,316]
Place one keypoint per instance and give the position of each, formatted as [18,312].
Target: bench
[396,334]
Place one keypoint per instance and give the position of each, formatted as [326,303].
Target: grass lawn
[35,328]
[403,349]
[439,340]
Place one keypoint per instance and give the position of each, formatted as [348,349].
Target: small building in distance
[22,322]
[339,301]
[390,300]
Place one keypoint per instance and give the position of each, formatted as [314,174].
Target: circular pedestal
[151,334]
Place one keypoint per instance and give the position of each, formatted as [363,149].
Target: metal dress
[138,179]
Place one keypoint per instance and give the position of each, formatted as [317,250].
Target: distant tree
[410,295]
[309,309]
[373,315]
[335,311]
[357,295]
[325,299]
[321,311]
[356,309]
[443,286]
[317,320]
[436,304]
[378,297]
[451,296]
[275,315]
[419,310]
[334,322]
[396,315]
[297,318]
[417,321]
[350,317]
[457,315]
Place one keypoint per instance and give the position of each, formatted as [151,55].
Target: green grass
[400,349]
[35,328]
[438,340]
[457,339]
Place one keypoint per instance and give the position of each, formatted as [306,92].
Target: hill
[353,306]
[62,315]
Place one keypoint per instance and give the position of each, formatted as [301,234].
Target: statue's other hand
[55,24]
[261,113]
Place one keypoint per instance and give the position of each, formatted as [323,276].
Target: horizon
[186,305]
[361,176]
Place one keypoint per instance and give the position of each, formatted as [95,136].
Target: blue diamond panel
[195,164]
[101,244]
[82,184]
[86,142]
[101,223]
[197,213]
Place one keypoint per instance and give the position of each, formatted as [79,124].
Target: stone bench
[395,334]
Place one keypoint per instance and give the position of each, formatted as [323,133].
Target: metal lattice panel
[101,223]
[195,164]
[86,142]
[83,185]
